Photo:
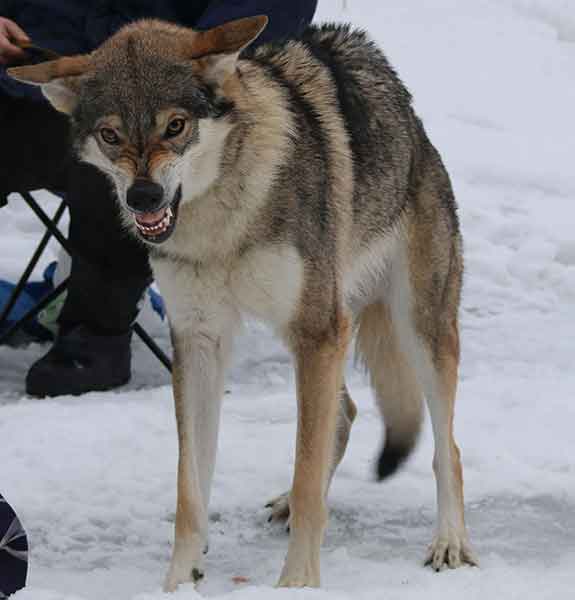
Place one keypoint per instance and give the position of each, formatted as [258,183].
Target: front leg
[200,358]
[319,371]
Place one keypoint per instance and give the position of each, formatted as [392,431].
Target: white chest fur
[265,283]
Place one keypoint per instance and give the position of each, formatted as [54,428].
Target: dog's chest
[265,283]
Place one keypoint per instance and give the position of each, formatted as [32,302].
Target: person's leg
[110,269]
[109,275]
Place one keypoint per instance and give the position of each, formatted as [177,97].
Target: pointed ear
[218,49]
[58,79]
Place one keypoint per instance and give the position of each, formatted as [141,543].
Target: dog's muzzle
[154,217]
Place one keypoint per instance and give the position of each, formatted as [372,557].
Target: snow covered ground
[93,478]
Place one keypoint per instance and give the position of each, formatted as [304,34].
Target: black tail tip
[391,458]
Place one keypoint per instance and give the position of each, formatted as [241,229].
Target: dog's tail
[395,386]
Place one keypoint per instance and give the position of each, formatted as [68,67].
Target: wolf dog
[294,184]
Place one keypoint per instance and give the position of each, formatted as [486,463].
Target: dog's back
[356,130]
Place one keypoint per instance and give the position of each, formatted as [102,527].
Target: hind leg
[424,306]
[451,545]
[347,412]
[436,364]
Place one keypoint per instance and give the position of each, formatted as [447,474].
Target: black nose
[145,196]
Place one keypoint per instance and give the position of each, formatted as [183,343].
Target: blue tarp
[34,291]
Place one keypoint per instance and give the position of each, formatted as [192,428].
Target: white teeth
[158,227]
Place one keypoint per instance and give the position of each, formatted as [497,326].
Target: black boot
[81,361]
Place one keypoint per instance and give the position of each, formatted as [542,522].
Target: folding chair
[52,230]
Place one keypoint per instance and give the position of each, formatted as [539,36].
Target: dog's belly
[367,275]
[266,283]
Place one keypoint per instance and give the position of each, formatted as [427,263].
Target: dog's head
[150,108]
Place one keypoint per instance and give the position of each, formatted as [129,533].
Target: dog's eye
[109,136]
[175,127]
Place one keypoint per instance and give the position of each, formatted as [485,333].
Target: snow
[93,478]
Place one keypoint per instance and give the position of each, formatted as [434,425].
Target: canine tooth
[159,227]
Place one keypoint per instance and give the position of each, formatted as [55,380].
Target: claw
[449,551]
[279,509]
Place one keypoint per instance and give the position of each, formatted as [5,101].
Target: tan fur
[227,38]
[66,66]
[319,372]
[346,417]
[279,507]
[451,544]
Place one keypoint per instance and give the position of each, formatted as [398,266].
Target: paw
[280,511]
[301,567]
[451,550]
[183,572]
[298,578]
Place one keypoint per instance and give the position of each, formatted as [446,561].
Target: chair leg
[156,350]
[39,212]
[31,265]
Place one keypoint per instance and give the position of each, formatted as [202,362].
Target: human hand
[10,36]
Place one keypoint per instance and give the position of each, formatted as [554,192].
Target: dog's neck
[225,188]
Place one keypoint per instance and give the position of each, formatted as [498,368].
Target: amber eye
[109,136]
[175,127]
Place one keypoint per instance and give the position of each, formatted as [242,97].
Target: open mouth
[156,227]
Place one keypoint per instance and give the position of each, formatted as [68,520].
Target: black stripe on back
[309,123]
[353,106]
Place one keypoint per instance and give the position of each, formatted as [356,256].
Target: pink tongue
[151,218]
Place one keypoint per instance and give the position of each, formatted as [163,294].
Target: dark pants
[110,270]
